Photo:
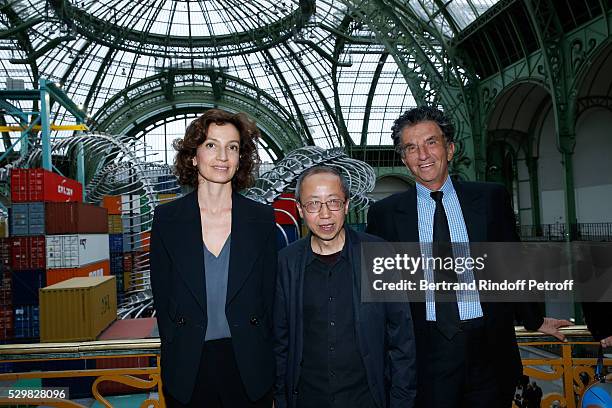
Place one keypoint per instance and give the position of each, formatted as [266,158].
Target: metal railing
[566,366]
[594,231]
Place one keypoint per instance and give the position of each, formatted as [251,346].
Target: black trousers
[460,373]
[218,384]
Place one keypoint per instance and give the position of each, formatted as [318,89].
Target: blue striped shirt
[468,300]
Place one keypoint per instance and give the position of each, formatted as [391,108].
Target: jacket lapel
[245,245]
[406,216]
[474,212]
[189,249]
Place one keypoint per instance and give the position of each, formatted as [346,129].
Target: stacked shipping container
[115,241]
[54,237]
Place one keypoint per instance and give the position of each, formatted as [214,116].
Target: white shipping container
[130,204]
[76,250]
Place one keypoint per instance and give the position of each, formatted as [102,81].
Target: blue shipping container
[27,219]
[26,322]
[115,243]
[116,262]
[36,215]
[26,284]
[167,184]
[19,219]
[131,224]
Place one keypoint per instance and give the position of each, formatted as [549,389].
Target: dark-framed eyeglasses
[315,206]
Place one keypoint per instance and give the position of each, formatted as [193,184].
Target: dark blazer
[179,293]
[384,331]
[488,217]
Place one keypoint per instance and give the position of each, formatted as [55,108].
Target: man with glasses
[332,350]
[467,355]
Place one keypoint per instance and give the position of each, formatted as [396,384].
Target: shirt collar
[423,192]
[311,256]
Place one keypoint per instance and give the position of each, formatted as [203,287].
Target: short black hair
[319,170]
[418,115]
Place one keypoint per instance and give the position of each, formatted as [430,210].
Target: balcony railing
[563,369]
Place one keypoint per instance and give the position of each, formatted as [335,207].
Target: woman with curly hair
[213,265]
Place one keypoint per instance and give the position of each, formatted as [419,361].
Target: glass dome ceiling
[316,66]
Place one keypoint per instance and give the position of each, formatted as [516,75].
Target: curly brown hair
[196,134]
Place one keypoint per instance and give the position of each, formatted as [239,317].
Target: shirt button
[331,348]
[332,323]
[331,373]
[331,298]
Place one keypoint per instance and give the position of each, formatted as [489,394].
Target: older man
[333,350]
[467,351]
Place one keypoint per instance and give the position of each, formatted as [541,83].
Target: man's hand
[551,327]
[607,342]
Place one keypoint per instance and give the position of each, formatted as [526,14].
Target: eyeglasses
[315,206]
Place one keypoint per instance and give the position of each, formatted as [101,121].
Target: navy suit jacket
[488,217]
[179,292]
[384,331]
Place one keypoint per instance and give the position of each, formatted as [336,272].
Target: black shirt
[333,374]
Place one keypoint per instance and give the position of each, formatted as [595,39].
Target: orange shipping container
[77,309]
[145,241]
[112,204]
[61,274]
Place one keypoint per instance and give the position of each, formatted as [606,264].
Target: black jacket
[384,331]
[179,294]
[488,217]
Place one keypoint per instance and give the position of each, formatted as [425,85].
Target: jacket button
[254,321]
[180,321]
[295,392]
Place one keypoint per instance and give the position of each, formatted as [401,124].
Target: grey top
[216,272]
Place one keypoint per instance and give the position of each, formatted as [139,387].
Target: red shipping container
[128,262]
[114,388]
[286,205]
[122,330]
[6,323]
[28,253]
[112,204]
[75,218]
[135,260]
[5,252]
[42,185]
[6,289]
[95,269]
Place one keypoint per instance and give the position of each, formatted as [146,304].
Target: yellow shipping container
[132,279]
[3,228]
[127,281]
[77,309]
[166,198]
[114,224]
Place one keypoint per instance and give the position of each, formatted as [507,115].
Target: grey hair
[418,115]
[320,170]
